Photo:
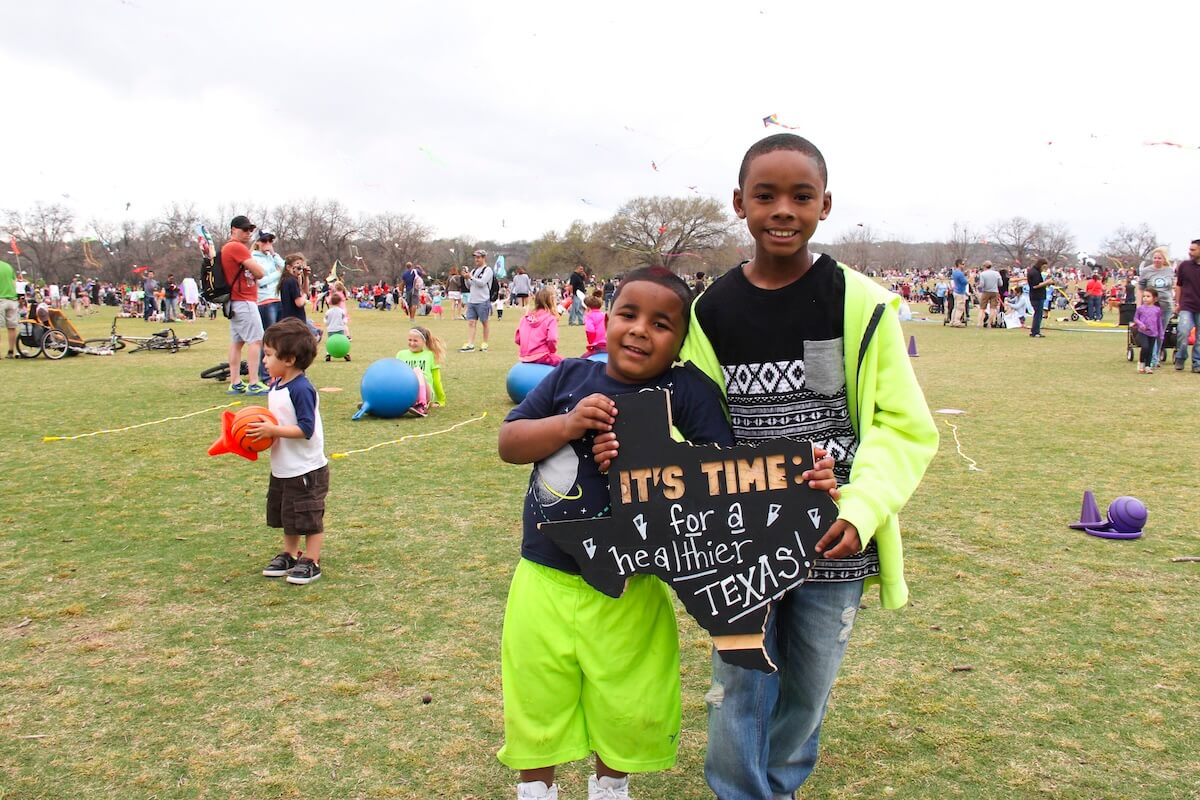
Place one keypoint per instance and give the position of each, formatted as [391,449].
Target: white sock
[537,790]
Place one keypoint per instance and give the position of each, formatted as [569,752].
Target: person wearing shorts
[242,272]
[454,287]
[299,469]
[988,284]
[479,304]
[583,672]
[9,308]
[626,656]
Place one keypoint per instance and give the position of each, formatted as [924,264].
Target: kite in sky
[1173,144]
[773,119]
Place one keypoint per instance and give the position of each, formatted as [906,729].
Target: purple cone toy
[1126,518]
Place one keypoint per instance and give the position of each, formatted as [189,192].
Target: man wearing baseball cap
[479,302]
[245,325]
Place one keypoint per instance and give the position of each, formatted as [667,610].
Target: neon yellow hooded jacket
[896,435]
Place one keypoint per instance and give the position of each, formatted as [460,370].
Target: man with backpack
[241,273]
[479,301]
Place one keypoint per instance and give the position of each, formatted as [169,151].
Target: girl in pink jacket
[537,334]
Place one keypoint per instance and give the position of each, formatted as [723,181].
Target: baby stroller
[937,305]
[1170,334]
[1061,300]
[54,341]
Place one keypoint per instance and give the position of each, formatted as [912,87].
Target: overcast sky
[505,120]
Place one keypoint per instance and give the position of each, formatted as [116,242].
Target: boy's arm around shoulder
[897,438]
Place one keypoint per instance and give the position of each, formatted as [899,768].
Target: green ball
[338,346]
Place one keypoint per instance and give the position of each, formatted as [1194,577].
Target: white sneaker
[607,788]
[537,790]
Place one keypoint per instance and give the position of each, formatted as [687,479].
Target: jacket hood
[537,320]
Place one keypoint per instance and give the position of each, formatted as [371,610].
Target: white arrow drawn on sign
[815,515]
[639,522]
[590,547]
[773,513]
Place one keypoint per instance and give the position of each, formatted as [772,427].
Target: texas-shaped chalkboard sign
[729,529]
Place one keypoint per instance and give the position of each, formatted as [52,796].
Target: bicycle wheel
[26,350]
[99,347]
[55,344]
[218,373]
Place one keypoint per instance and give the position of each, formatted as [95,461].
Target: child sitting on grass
[537,332]
[299,469]
[337,320]
[427,353]
[594,322]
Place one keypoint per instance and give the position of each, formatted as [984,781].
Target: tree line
[684,234]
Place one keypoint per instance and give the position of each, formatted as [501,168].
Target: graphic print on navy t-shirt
[567,485]
[781,352]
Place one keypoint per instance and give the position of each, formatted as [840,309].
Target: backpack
[494,292]
[214,288]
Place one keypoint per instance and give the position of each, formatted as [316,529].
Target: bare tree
[961,242]
[42,233]
[855,247]
[896,255]
[1052,241]
[663,231]
[177,224]
[1016,237]
[1130,247]
[395,239]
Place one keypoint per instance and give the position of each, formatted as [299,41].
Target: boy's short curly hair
[662,277]
[291,338]
[783,141]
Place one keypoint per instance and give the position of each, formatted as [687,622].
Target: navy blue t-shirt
[289,293]
[567,485]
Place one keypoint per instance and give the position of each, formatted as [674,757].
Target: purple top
[1149,321]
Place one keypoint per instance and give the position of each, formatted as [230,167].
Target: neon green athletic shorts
[585,673]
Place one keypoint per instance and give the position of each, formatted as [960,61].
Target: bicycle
[165,340]
[106,345]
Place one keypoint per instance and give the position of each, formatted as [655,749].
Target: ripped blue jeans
[763,729]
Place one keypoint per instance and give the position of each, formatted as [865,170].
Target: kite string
[971,465]
[409,436]
[140,424]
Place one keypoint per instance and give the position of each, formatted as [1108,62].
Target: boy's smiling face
[645,331]
[782,201]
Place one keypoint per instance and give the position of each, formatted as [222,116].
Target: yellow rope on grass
[140,424]
[409,436]
[971,465]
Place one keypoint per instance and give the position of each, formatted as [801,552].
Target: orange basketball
[241,437]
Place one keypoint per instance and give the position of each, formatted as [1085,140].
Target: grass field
[143,656]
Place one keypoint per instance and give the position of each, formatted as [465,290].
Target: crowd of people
[1007,295]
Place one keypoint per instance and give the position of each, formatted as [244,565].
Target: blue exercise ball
[598,357]
[523,377]
[389,388]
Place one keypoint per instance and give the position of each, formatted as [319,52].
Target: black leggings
[1147,344]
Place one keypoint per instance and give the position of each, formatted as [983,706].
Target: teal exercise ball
[522,379]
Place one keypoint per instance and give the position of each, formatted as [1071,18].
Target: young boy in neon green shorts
[584,673]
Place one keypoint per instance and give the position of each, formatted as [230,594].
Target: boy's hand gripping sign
[729,529]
